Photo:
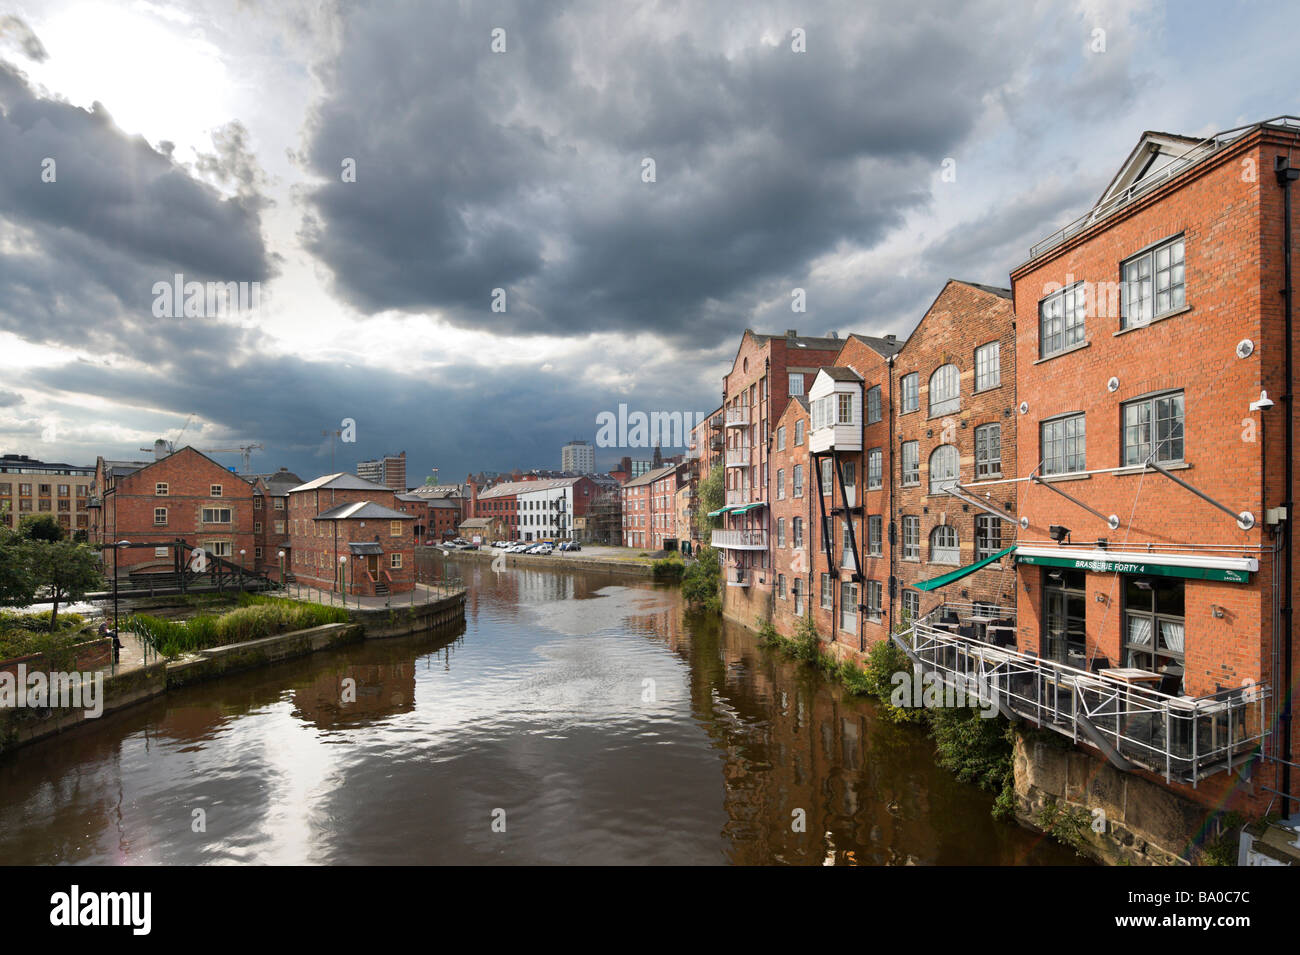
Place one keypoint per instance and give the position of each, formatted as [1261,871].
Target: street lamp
[343,560]
[242,552]
[115,639]
[281,570]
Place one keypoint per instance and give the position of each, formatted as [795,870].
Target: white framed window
[988,451]
[218,548]
[1061,321]
[780,586]
[873,404]
[214,490]
[797,587]
[875,535]
[911,605]
[848,606]
[911,538]
[828,593]
[875,468]
[257,503]
[160,551]
[216,515]
[161,489]
[910,398]
[780,532]
[394,528]
[798,433]
[911,464]
[780,484]
[279,504]
[780,438]
[828,477]
[1064,445]
[796,481]
[988,535]
[796,384]
[945,465]
[1154,283]
[875,594]
[988,366]
[257,527]
[395,561]
[844,408]
[1156,421]
[279,527]
[159,516]
[944,547]
[796,532]
[945,390]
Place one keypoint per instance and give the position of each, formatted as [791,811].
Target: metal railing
[737,417]
[738,457]
[737,577]
[1182,738]
[740,539]
[738,495]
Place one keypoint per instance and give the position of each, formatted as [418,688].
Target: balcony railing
[738,495]
[737,417]
[1183,738]
[740,539]
[738,577]
[738,457]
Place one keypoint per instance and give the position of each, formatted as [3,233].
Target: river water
[584,714]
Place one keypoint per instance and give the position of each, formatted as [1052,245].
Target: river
[579,717]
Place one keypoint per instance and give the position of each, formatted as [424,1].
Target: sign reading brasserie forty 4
[1098,566]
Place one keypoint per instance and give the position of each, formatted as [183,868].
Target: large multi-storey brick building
[1156,437]
[766,372]
[347,534]
[183,495]
[954,388]
[650,510]
[271,546]
[29,487]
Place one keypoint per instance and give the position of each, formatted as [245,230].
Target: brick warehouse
[954,388]
[766,371]
[1148,333]
[271,521]
[180,495]
[344,516]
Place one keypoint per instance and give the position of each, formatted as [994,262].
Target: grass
[257,616]
[22,634]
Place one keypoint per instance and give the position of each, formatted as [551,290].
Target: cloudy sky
[380,169]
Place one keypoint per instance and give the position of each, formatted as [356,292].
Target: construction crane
[245,451]
[171,445]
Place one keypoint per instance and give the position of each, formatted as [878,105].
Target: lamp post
[242,552]
[116,545]
[281,570]
[343,562]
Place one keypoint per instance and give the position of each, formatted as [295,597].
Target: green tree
[711,497]
[702,583]
[17,585]
[40,527]
[66,570]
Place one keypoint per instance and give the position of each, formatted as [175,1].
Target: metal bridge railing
[1182,738]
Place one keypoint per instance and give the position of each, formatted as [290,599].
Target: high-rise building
[60,490]
[390,471]
[578,457]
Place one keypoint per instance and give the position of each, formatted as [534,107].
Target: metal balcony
[738,457]
[737,417]
[1184,739]
[740,539]
[738,577]
[738,495]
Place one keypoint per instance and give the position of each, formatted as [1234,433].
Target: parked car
[570,545]
[543,549]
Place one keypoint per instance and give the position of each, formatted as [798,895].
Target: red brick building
[650,510]
[182,495]
[954,387]
[344,516]
[766,372]
[271,521]
[1153,364]
[793,525]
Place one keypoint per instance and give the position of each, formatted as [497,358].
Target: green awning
[743,508]
[721,510]
[943,580]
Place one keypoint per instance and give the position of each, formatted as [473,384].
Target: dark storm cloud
[14,30]
[522,170]
[117,217]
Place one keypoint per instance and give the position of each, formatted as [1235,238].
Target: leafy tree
[17,586]
[711,497]
[67,570]
[40,527]
[702,584]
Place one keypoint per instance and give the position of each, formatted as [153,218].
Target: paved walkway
[422,594]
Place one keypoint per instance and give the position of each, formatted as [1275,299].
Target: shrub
[671,566]
[259,616]
[702,581]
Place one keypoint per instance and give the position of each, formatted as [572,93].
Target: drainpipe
[1286,174]
[895,585]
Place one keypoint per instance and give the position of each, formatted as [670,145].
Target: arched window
[945,390]
[945,464]
[943,545]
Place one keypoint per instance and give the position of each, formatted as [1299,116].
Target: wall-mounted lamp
[1102,543]
[1103,599]
[1059,532]
[1263,404]
[1216,611]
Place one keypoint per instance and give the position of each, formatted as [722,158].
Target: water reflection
[610,726]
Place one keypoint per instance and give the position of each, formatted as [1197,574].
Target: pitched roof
[342,481]
[511,488]
[991,289]
[362,510]
[838,373]
[278,483]
[476,522]
[882,346]
[651,476]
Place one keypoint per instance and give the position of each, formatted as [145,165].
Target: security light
[1059,532]
[1263,404]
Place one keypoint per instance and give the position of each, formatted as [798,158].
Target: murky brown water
[540,708]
